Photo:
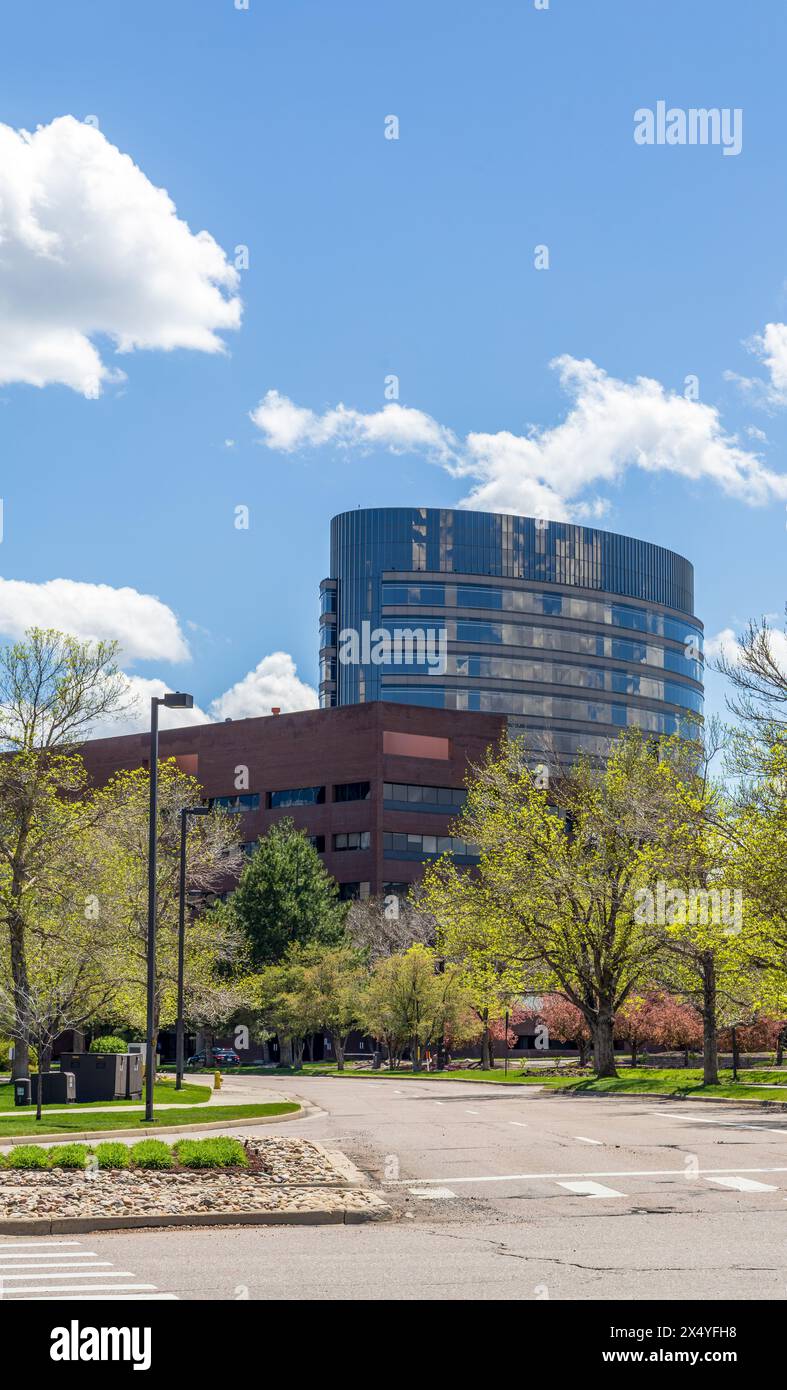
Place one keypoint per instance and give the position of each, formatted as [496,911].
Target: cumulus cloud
[133,713]
[90,248]
[611,426]
[144,627]
[725,644]
[287,427]
[273,682]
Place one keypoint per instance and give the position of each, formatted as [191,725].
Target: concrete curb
[76,1138]
[76,1225]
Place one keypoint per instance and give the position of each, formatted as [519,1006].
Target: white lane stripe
[80,1297]
[474,1112]
[80,1293]
[46,1254]
[520,1123]
[73,1274]
[590,1189]
[55,1264]
[37,1244]
[583,1139]
[719,1120]
[548,1177]
[744,1184]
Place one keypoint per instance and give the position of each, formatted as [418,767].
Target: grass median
[76,1122]
[164,1093]
[667,1081]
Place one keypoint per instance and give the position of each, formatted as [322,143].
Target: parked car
[215,1057]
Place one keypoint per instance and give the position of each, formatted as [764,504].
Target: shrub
[108,1044]
[211,1153]
[112,1155]
[28,1156]
[5,1055]
[68,1156]
[152,1153]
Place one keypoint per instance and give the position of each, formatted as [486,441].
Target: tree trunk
[582,1049]
[633,1054]
[736,1054]
[710,1050]
[604,1043]
[780,1041]
[45,1058]
[487,1054]
[415,1056]
[338,1047]
[310,1045]
[21,1062]
[685,1056]
[38,1094]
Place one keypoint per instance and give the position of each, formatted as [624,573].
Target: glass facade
[572,632]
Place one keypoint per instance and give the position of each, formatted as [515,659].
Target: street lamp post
[186,811]
[175,699]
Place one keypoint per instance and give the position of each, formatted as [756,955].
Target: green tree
[414,1000]
[53,689]
[335,979]
[561,867]
[285,896]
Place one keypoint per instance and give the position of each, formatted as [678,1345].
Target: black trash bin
[55,1086]
[22,1091]
[99,1075]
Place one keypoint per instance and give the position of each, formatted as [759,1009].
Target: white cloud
[274,681]
[725,643]
[90,247]
[134,714]
[144,626]
[611,426]
[287,427]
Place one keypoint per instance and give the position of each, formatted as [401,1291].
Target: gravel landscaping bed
[284,1176]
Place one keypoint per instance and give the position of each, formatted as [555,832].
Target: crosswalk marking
[590,1189]
[744,1184]
[43,1270]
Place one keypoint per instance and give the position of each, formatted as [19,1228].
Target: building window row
[547,604]
[352,839]
[245,801]
[315,796]
[429,796]
[396,843]
[546,707]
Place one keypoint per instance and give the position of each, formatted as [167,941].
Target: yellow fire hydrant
[217,1080]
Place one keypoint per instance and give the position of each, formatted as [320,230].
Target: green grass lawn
[667,1081]
[163,1093]
[78,1122]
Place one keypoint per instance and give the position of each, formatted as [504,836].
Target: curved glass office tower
[572,632]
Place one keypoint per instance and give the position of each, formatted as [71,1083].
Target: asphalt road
[498,1193]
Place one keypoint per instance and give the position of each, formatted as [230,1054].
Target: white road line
[39,1245]
[47,1255]
[73,1274]
[744,1184]
[520,1123]
[79,1293]
[617,1173]
[590,1189]
[583,1139]
[432,1194]
[718,1120]
[55,1264]
[116,1296]
[473,1112]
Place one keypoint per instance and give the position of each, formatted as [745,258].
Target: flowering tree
[566,1023]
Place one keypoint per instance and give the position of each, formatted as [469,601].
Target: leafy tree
[411,1002]
[566,1023]
[214,949]
[676,1024]
[560,872]
[384,925]
[334,981]
[285,897]
[53,689]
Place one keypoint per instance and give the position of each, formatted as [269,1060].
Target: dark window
[317,842]
[395,842]
[352,839]
[429,796]
[296,796]
[246,801]
[352,791]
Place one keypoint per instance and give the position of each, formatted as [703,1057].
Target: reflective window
[537,706]
[352,839]
[400,842]
[352,791]
[246,801]
[431,796]
[296,796]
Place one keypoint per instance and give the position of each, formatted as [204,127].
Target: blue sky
[415,257]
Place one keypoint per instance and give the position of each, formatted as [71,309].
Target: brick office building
[376,785]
